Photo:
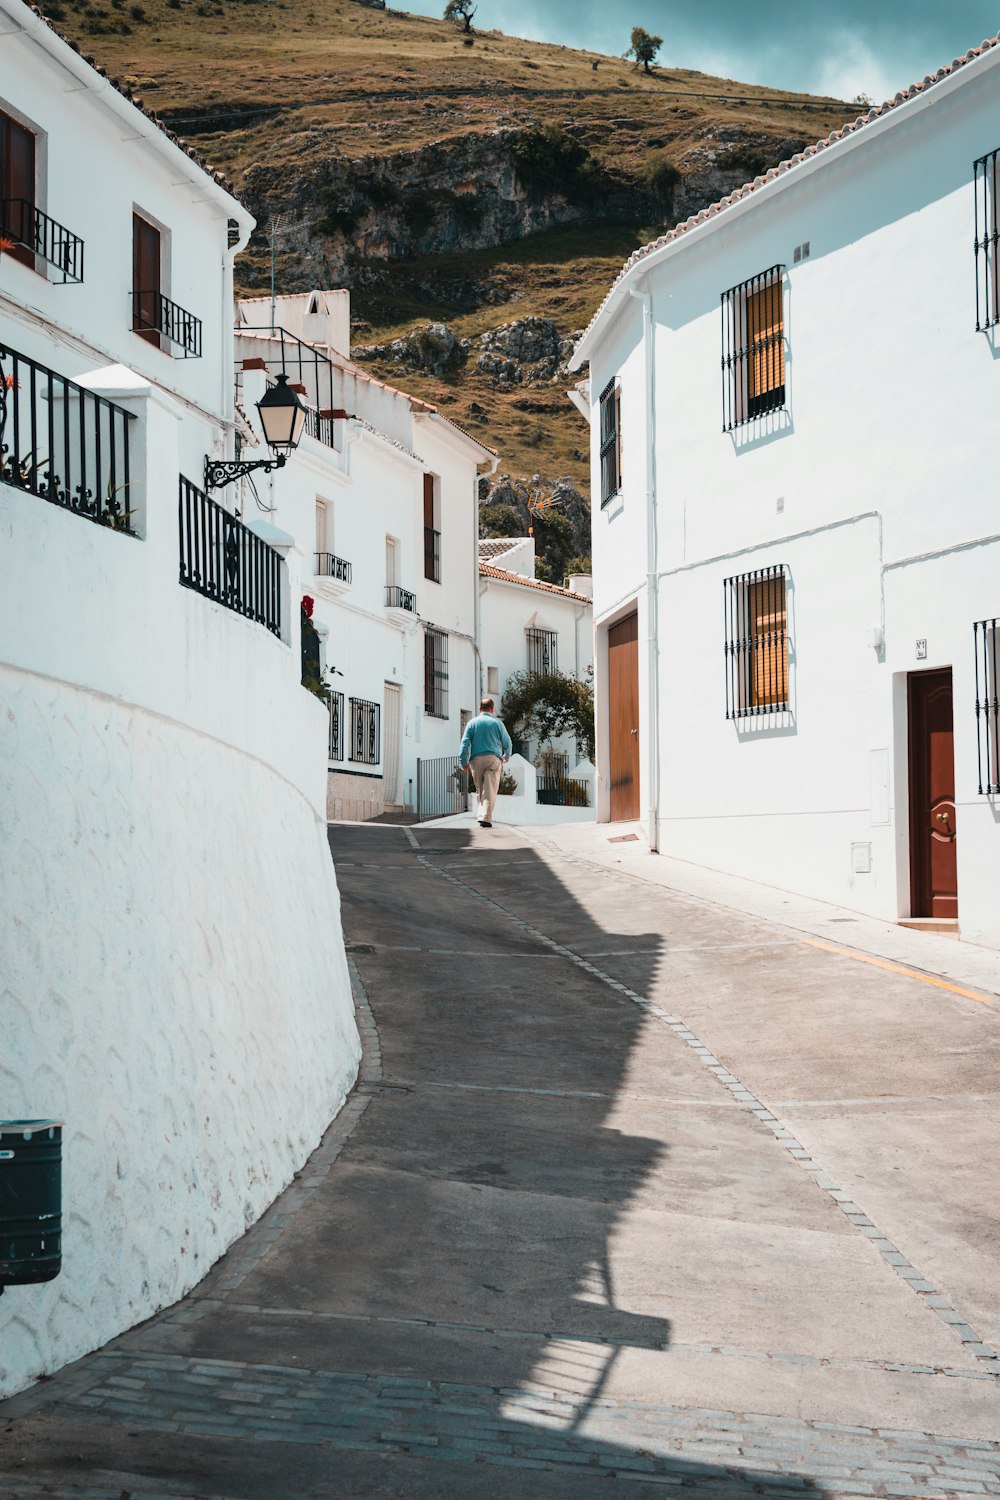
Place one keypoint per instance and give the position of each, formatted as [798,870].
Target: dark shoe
[486,825]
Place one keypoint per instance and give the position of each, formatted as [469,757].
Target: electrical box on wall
[861,859]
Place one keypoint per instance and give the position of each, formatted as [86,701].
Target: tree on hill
[643,47]
[460,10]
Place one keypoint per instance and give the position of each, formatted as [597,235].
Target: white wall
[872,487]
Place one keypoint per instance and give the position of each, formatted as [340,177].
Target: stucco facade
[175,986]
[865,484]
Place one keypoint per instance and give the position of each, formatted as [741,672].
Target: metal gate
[441,787]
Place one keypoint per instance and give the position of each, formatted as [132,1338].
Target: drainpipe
[228,404]
[652,578]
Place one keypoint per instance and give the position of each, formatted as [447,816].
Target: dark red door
[17,187]
[623,718]
[933,860]
[146,280]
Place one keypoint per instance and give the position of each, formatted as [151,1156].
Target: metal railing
[543,650]
[29,227]
[984,181]
[335,745]
[397,598]
[222,559]
[366,732]
[154,313]
[63,443]
[559,790]
[756,646]
[441,787]
[987,705]
[319,425]
[753,348]
[328,566]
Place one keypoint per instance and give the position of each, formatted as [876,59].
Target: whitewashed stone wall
[173,987]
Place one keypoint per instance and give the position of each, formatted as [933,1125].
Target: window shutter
[429,500]
[766,334]
[321,546]
[767,619]
[17,187]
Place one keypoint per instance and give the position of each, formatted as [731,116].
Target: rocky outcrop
[526,352]
[556,510]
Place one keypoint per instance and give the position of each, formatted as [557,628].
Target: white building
[532,626]
[796,549]
[174,982]
[381,498]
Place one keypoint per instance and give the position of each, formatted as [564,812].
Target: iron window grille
[366,732]
[987,646]
[753,348]
[328,566]
[34,231]
[222,559]
[397,598]
[436,673]
[756,613]
[984,182]
[611,441]
[543,650]
[154,313]
[63,443]
[335,746]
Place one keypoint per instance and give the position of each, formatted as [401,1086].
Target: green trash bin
[30,1201]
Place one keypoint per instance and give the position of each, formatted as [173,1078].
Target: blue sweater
[485,735]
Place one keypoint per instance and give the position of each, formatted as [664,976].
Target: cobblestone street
[635,1188]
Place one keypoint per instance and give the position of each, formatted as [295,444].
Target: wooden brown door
[146,280]
[933,861]
[17,188]
[623,718]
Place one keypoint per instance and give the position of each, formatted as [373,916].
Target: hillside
[472,181]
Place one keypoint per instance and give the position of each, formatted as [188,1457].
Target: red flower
[307,606]
[10,384]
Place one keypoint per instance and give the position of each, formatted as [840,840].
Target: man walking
[485,746]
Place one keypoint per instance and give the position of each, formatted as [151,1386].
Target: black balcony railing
[27,226]
[319,425]
[63,443]
[328,566]
[222,559]
[988,705]
[366,733]
[335,748]
[397,598]
[985,179]
[154,313]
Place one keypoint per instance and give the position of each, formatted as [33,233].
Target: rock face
[527,352]
[462,193]
[558,512]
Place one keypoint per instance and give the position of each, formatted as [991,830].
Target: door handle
[633,731]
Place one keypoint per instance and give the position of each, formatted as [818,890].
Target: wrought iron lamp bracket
[219,472]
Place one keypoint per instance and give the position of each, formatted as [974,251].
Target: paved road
[634,1191]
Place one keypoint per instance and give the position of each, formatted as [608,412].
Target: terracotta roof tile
[876,112]
[487,570]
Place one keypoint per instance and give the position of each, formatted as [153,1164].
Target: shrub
[662,178]
[748,158]
[508,785]
[381,191]
[468,211]
[337,217]
[546,158]
[137,13]
[420,210]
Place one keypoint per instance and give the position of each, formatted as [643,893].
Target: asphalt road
[634,1191]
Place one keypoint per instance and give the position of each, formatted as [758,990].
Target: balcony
[155,318]
[63,443]
[39,236]
[397,598]
[334,568]
[222,559]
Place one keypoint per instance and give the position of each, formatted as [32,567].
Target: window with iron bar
[366,732]
[753,348]
[611,441]
[335,748]
[984,182]
[543,650]
[987,645]
[756,614]
[436,673]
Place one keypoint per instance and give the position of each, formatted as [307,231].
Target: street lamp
[282,417]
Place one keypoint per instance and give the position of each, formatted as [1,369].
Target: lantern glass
[282,416]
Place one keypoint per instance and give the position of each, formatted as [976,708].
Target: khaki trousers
[486,771]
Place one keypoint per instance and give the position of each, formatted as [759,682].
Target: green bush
[468,211]
[420,210]
[662,178]
[547,159]
[749,159]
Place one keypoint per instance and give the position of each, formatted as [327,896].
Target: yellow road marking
[882,963]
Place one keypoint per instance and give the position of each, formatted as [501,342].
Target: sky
[836,47]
